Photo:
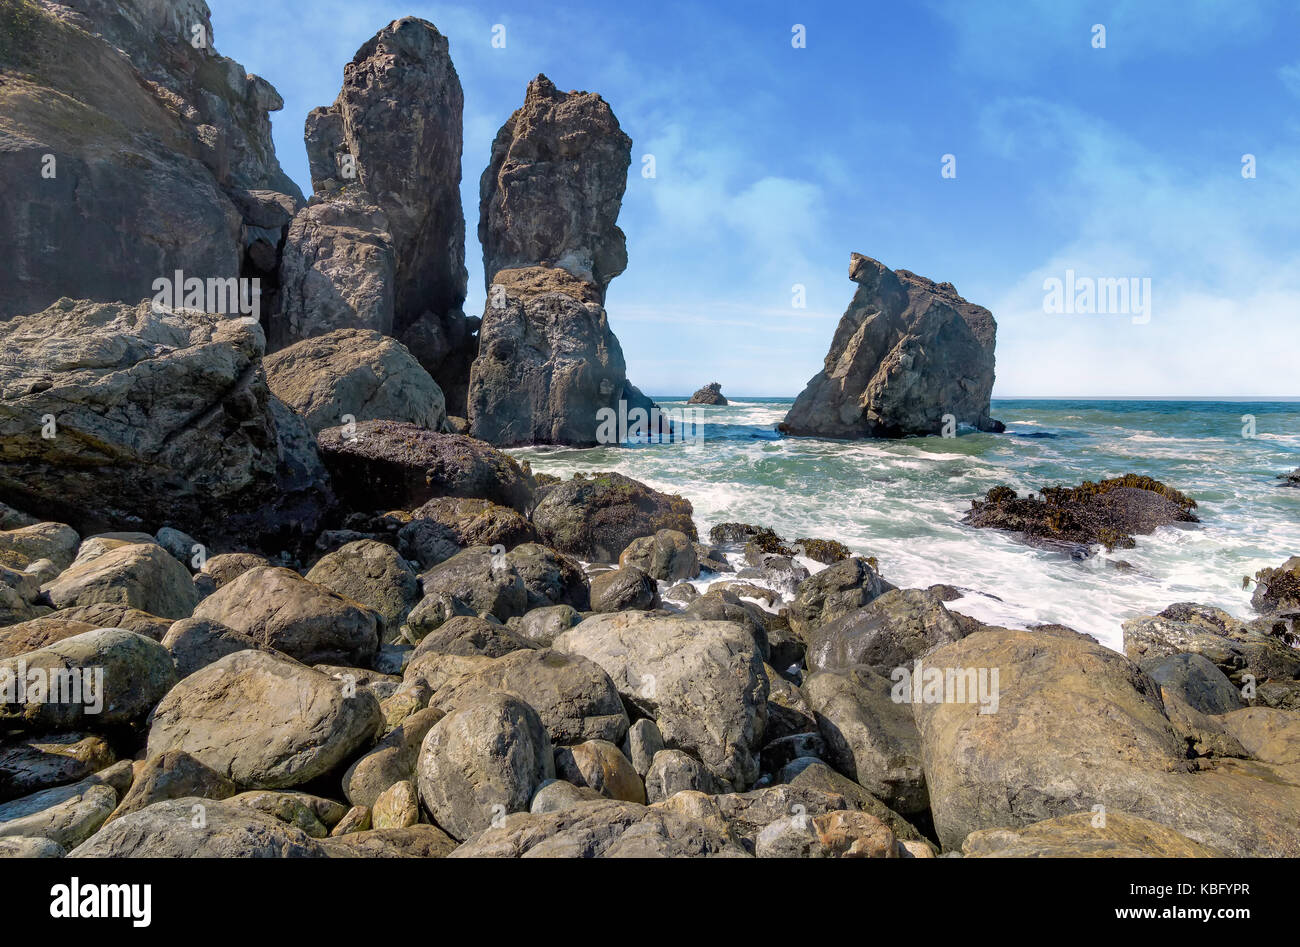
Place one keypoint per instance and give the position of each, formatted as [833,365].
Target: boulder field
[272,565]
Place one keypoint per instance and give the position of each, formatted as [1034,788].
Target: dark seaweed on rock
[1108,512]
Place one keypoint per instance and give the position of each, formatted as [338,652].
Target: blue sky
[773,163]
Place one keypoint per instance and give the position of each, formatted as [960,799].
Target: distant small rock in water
[1291,479]
[709,394]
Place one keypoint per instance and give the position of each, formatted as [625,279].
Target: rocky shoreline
[502,668]
[271,587]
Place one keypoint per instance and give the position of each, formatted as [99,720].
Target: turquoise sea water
[902,501]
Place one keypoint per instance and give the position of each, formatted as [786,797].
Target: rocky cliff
[909,355]
[129,149]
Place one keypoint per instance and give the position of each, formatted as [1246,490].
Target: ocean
[902,501]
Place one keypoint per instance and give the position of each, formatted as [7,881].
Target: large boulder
[379,465]
[373,574]
[483,581]
[102,678]
[282,610]
[483,761]
[394,133]
[894,629]
[552,189]
[605,828]
[908,354]
[595,517]
[701,681]
[143,576]
[549,368]
[573,696]
[336,272]
[66,815]
[264,721]
[618,590]
[834,592]
[1080,729]
[194,827]
[445,525]
[668,555]
[1110,513]
[33,763]
[869,737]
[709,394]
[161,418]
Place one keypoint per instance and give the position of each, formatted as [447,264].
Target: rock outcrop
[551,192]
[392,138]
[1107,513]
[709,394]
[907,354]
[548,362]
[118,417]
[359,373]
[132,150]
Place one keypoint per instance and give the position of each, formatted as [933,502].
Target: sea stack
[385,159]
[709,394]
[549,200]
[910,356]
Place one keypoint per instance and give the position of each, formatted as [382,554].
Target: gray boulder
[668,556]
[143,576]
[891,632]
[907,353]
[618,590]
[163,418]
[282,610]
[595,517]
[483,761]
[1195,679]
[702,682]
[355,372]
[264,721]
[373,574]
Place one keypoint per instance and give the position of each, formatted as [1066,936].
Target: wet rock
[1237,648]
[1110,512]
[890,632]
[668,555]
[834,592]
[1278,590]
[485,582]
[1196,680]
[908,354]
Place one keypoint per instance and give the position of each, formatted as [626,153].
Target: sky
[994,144]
